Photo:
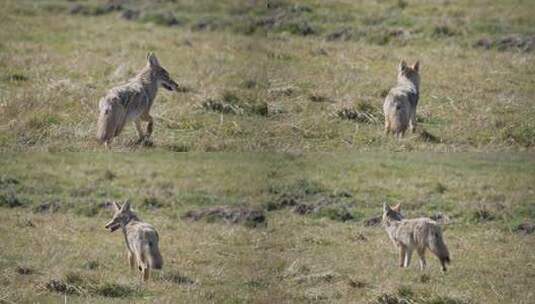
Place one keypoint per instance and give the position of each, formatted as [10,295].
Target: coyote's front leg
[131,260]
[387,126]
[402,251]
[412,120]
[139,131]
[146,117]
[408,255]
[421,254]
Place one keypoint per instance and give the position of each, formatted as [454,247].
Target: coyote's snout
[133,101]
[400,103]
[419,234]
[141,239]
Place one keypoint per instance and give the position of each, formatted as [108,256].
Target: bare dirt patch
[308,198]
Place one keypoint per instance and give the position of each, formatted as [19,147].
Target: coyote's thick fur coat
[141,239]
[400,103]
[419,234]
[132,101]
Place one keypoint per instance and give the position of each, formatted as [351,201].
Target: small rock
[485,43]
[526,228]
[24,270]
[356,284]
[129,14]
[47,207]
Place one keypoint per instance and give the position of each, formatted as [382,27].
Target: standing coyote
[419,234]
[400,103]
[132,101]
[141,239]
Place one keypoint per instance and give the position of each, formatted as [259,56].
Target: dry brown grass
[472,99]
[293,258]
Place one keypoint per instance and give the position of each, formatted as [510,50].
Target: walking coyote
[132,101]
[419,234]
[400,103]
[141,239]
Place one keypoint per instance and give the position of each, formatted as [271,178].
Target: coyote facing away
[141,239]
[400,103]
[419,234]
[132,101]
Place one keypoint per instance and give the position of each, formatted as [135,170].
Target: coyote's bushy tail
[438,247]
[154,257]
[399,120]
[106,123]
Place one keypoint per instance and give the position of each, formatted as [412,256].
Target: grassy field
[53,243]
[287,75]
[289,94]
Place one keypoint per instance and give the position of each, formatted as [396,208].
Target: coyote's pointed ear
[385,207]
[152,60]
[416,66]
[126,206]
[115,206]
[397,208]
[402,65]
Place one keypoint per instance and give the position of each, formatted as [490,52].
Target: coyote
[400,103]
[141,239]
[132,101]
[419,234]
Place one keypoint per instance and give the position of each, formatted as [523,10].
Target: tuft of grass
[300,187]
[405,295]
[109,175]
[444,30]
[91,265]
[221,107]
[180,147]
[152,202]
[340,214]
[425,136]
[440,188]
[47,207]
[74,283]
[62,287]
[42,121]
[176,277]
[88,208]
[11,200]
[116,290]
[16,77]
[25,270]
[162,18]
[482,215]
[6,181]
